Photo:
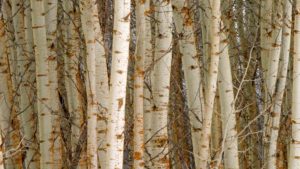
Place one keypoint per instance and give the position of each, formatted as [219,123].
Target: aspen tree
[3,90]
[118,80]
[31,160]
[281,82]
[25,90]
[272,68]
[51,27]
[12,136]
[43,86]
[138,130]
[294,154]
[225,88]
[184,23]
[265,31]
[214,37]
[87,18]
[5,101]
[102,91]
[72,80]
[148,79]
[161,85]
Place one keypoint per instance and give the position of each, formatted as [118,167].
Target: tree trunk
[184,22]
[138,130]
[280,85]
[118,80]
[161,86]
[294,156]
[227,100]
[214,37]
[87,9]
[43,86]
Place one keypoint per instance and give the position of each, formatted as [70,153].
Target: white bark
[51,27]
[102,91]
[43,86]
[184,23]
[72,80]
[138,123]
[214,37]
[281,83]
[5,103]
[161,86]
[26,93]
[87,12]
[225,88]
[148,78]
[294,154]
[120,56]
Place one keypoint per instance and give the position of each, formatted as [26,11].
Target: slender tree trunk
[29,121]
[43,86]
[148,79]
[230,142]
[51,27]
[294,156]
[13,159]
[280,85]
[72,80]
[138,130]
[214,37]
[118,80]
[184,22]
[25,92]
[87,16]
[5,99]
[161,86]
[102,92]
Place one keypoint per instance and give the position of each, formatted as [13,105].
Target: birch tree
[161,85]
[294,154]
[281,82]
[210,91]
[87,11]
[184,23]
[118,80]
[42,78]
[138,130]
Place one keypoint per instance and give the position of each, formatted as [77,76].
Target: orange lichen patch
[127,17]
[119,71]
[51,58]
[165,160]
[120,103]
[119,136]
[137,155]
[160,141]
[150,11]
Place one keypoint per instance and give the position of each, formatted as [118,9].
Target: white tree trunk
[43,86]
[51,27]
[281,82]
[184,22]
[5,103]
[230,142]
[102,92]
[87,12]
[120,56]
[72,79]
[148,78]
[214,37]
[294,156]
[26,93]
[138,123]
[159,146]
